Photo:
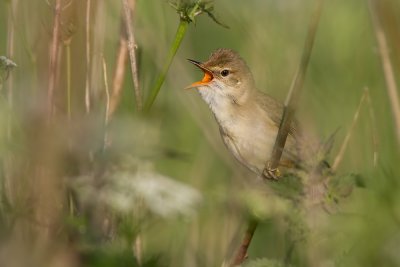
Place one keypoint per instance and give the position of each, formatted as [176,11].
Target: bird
[248,118]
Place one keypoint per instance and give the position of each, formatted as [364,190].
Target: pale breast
[250,138]
[248,131]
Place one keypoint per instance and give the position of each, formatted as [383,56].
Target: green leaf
[188,10]
[289,186]
[342,186]
[207,8]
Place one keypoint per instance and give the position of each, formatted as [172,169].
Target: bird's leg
[271,173]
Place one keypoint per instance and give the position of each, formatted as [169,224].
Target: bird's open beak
[208,76]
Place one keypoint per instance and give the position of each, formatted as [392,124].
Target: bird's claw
[271,173]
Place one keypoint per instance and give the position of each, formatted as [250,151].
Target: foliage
[184,9]
[81,188]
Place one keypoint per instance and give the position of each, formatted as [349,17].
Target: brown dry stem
[10,53]
[375,141]
[128,9]
[119,74]
[391,86]
[289,110]
[106,118]
[241,254]
[54,46]
[343,147]
[295,91]
[87,83]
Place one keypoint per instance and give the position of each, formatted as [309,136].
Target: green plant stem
[180,33]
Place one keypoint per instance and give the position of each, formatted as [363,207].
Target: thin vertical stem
[119,74]
[241,254]
[107,90]
[53,57]
[346,140]
[375,141]
[295,90]
[128,10]
[87,84]
[391,86]
[68,70]
[137,249]
[106,113]
[8,183]
[10,54]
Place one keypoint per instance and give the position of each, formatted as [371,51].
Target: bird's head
[226,75]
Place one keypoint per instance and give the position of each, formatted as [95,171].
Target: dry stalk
[343,147]
[106,141]
[87,83]
[241,254]
[54,46]
[137,249]
[10,54]
[107,90]
[387,68]
[7,162]
[295,90]
[128,10]
[119,74]
[375,141]
[289,110]
[67,45]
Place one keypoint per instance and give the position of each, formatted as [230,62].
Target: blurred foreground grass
[161,189]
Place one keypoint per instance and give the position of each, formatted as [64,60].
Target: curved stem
[180,33]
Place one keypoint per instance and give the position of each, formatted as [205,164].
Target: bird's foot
[271,173]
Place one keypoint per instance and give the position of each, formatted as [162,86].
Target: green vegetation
[112,186]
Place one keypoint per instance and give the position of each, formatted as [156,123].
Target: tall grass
[101,184]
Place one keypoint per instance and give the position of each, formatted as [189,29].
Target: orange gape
[207,77]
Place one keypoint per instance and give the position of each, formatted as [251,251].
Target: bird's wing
[274,109]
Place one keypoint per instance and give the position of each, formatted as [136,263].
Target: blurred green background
[160,189]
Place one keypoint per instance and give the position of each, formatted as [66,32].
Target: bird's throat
[225,107]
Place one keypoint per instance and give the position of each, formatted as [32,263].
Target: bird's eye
[225,73]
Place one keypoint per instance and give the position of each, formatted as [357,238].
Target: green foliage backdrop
[79,187]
